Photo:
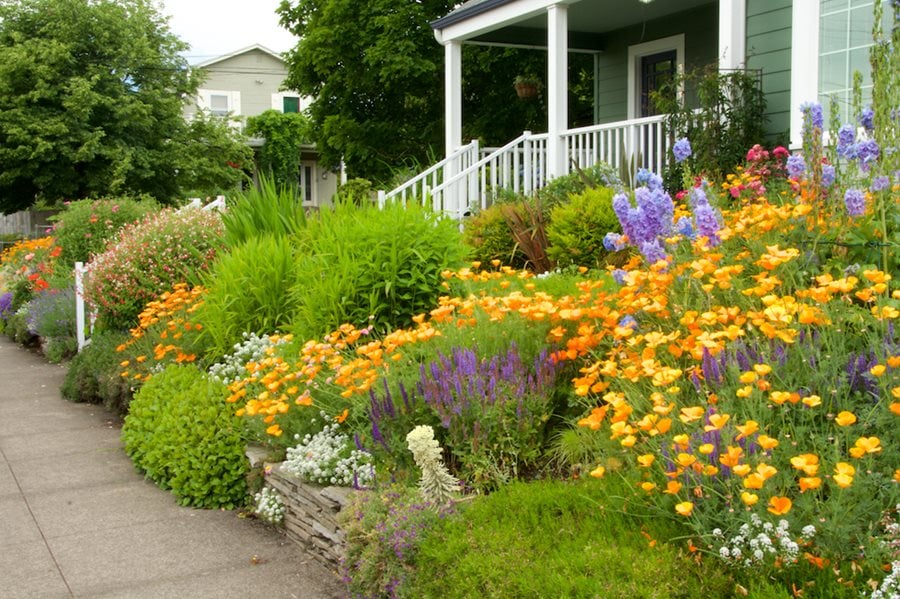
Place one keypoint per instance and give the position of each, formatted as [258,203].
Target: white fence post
[79,306]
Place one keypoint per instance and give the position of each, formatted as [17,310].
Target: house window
[657,70]
[218,104]
[845,36]
[307,182]
[290,104]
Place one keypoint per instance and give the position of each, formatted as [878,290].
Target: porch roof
[524,22]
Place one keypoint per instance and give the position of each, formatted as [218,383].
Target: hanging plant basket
[526,90]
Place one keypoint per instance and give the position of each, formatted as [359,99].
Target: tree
[376,73]
[91,95]
[284,133]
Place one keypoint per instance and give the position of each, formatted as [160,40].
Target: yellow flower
[865,445]
[807,462]
[681,440]
[673,487]
[762,369]
[779,505]
[845,418]
[895,407]
[766,471]
[812,401]
[747,429]
[598,472]
[648,486]
[684,508]
[767,442]
[646,460]
[878,369]
[691,414]
[741,469]
[274,430]
[748,377]
[685,459]
[706,448]
[754,481]
[749,498]
[716,422]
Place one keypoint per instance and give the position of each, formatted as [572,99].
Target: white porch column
[451,201]
[804,62]
[557,88]
[732,34]
[452,96]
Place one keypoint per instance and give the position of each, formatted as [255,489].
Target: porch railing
[472,178]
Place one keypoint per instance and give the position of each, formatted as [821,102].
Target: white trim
[506,14]
[313,182]
[732,34]
[452,97]
[204,100]
[557,88]
[804,62]
[638,51]
[278,100]
[259,47]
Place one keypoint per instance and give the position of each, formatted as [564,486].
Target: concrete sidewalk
[77,520]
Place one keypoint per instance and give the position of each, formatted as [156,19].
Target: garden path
[77,520]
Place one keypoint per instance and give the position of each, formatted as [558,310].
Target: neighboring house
[247,82]
[805,50]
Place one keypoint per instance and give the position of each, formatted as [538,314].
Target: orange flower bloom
[779,505]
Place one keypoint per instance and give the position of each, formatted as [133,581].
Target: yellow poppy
[684,508]
[749,498]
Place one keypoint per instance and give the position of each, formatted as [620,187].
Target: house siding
[769,49]
[699,26]
[241,73]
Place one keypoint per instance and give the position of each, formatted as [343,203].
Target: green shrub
[94,374]
[182,433]
[577,228]
[149,258]
[489,238]
[86,226]
[555,539]
[361,264]
[355,191]
[51,316]
[284,134]
[248,291]
[268,208]
[558,190]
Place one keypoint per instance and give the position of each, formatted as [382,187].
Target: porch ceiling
[500,23]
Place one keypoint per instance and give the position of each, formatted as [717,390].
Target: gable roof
[224,57]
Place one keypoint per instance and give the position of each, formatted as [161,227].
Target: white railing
[626,145]
[521,165]
[420,187]
[84,322]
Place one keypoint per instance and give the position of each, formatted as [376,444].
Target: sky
[217,27]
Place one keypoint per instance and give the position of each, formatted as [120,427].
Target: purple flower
[628,322]
[796,166]
[879,183]
[652,251]
[707,222]
[658,210]
[681,149]
[6,305]
[855,201]
[812,115]
[619,275]
[846,146]
[866,118]
[828,175]
[685,227]
[613,242]
[643,176]
[867,152]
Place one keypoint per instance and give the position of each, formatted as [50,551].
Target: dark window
[291,104]
[307,184]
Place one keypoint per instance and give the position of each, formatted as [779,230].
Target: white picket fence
[84,319]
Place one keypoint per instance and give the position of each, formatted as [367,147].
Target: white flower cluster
[252,349]
[759,543]
[329,458]
[890,586]
[437,484]
[269,505]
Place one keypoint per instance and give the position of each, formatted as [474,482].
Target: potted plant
[527,86]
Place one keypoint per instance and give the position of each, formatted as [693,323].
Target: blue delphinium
[867,153]
[812,114]
[879,183]
[613,242]
[846,146]
[682,149]
[685,227]
[855,201]
[828,175]
[796,166]
[867,118]
[707,218]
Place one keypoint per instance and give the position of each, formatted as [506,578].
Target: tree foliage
[91,95]
[377,74]
[284,133]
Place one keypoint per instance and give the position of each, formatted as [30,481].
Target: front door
[656,70]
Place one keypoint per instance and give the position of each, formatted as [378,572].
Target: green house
[803,50]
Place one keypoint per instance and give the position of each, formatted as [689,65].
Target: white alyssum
[269,505]
[253,348]
[329,458]
[437,484]
[890,586]
[759,543]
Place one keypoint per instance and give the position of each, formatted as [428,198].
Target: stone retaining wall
[310,515]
